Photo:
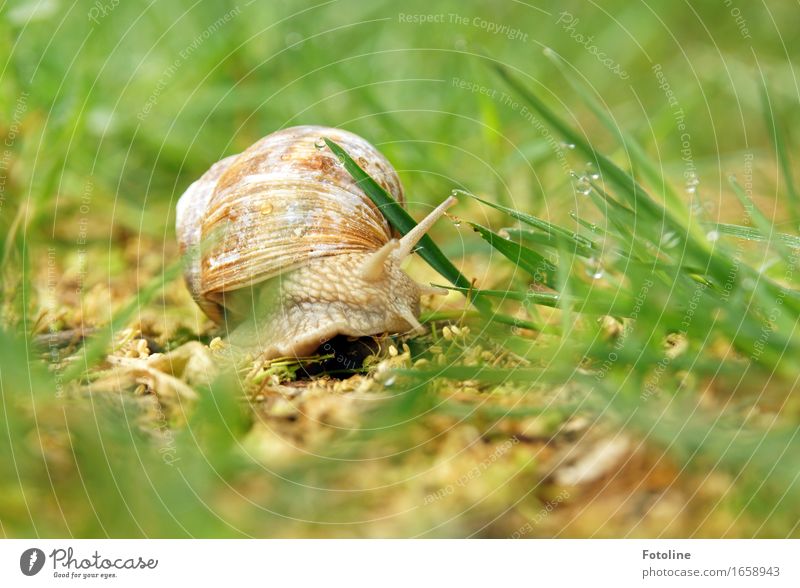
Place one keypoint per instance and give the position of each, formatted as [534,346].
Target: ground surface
[659,397]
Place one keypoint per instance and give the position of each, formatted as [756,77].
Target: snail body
[282,234]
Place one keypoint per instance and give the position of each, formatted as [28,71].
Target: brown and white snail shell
[282,234]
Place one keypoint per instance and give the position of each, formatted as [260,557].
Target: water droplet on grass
[582,185]
[691,183]
[591,171]
[669,240]
[594,268]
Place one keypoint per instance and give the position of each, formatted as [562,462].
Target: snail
[282,234]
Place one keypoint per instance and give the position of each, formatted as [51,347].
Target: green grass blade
[537,223]
[544,298]
[637,197]
[763,224]
[614,303]
[610,170]
[457,315]
[544,239]
[636,153]
[527,259]
[751,234]
[403,222]
[778,141]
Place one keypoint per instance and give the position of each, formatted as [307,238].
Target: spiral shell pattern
[284,201]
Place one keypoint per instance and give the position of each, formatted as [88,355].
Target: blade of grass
[751,234]
[591,227]
[619,305]
[776,134]
[527,259]
[635,194]
[403,222]
[497,317]
[543,298]
[537,223]
[762,222]
[539,238]
[636,153]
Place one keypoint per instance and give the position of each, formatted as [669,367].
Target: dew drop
[669,240]
[691,183]
[594,268]
[582,186]
[591,171]
[456,192]
[266,208]
[568,145]
[712,236]
[319,143]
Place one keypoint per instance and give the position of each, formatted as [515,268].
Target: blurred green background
[143,100]
[111,109]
